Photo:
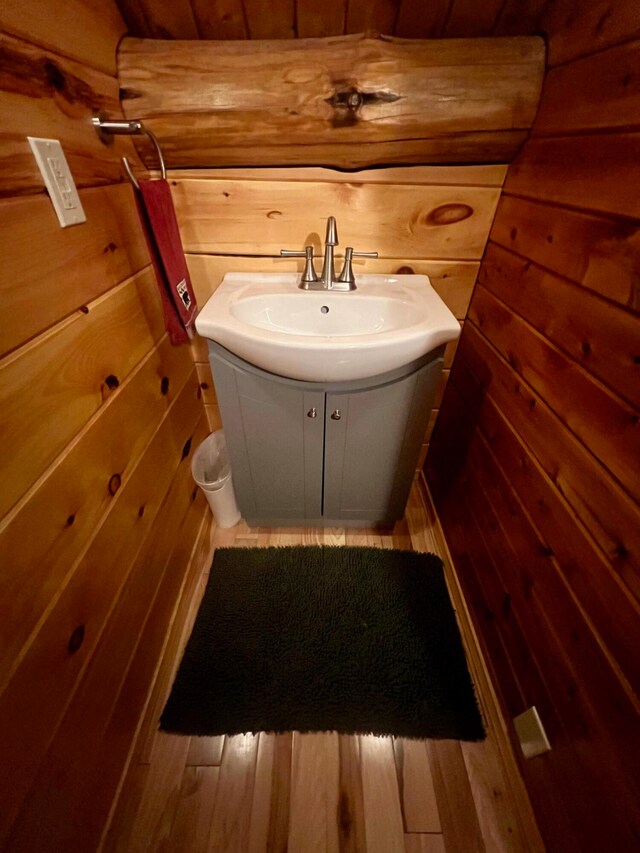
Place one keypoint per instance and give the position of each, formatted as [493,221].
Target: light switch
[58,180]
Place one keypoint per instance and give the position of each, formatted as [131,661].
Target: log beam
[348,102]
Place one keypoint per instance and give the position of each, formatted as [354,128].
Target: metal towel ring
[105,127]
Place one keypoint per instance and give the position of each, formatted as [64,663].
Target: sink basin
[326,336]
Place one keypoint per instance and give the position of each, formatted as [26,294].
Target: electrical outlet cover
[58,180]
[531,734]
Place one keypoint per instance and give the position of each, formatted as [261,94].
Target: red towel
[160,226]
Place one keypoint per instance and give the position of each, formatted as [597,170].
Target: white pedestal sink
[327,336]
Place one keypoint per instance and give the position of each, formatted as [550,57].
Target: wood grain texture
[480,571]
[542,514]
[315,776]
[351,820]
[577,30]
[587,172]
[48,394]
[100,719]
[205,751]
[160,20]
[205,380]
[219,19]
[424,843]
[318,20]
[376,15]
[38,692]
[590,579]
[571,26]
[183,612]
[600,91]
[262,793]
[232,809]
[72,266]
[460,824]
[419,20]
[74,495]
[200,100]
[600,253]
[192,822]
[45,95]
[520,18]
[603,338]
[270,19]
[183,568]
[486,175]
[161,799]
[466,16]
[607,512]
[419,804]
[384,828]
[564,655]
[57,28]
[247,218]
[603,422]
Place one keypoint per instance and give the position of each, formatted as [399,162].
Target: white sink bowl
[327,336]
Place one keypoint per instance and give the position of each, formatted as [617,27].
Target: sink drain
[325,309]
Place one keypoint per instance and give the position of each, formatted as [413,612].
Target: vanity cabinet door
[372,442]
[274,432]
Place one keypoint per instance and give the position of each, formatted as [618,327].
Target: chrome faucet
[328,281]
[328,274]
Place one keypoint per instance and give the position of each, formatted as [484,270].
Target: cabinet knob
[335,416]
[312,413]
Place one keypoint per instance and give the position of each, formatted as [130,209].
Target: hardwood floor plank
[205,751]
[154,819]
[232,810]
[192,822]
[382,813]
[498,822]
[351,805]
[280,793]
[419,805]
[424,843]
[315,778]
[460,826]
[262,794]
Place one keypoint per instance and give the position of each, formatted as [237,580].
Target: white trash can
[211,470]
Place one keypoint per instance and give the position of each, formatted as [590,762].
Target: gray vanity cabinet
[311,453]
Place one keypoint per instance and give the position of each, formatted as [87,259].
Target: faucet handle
[347,270]
[309,273]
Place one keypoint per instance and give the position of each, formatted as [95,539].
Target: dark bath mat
[353,640]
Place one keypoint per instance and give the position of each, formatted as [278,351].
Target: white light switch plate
[58,180]
[531,734]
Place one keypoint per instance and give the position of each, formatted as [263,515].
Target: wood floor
[319,793]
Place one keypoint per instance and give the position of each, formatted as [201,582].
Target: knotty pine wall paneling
[98,512]
[286,19]
[236,220]
[535,456]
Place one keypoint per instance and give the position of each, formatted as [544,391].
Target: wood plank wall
[285,19]
[234,220]
[535,460]
[98,414]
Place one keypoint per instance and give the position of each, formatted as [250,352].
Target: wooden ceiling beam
[349,101]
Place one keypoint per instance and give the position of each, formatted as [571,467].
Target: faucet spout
[328,267]
[332,232]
